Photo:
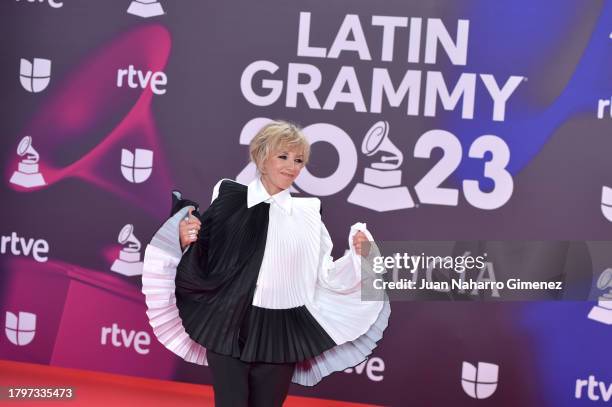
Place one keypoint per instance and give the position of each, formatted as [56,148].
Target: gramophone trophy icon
[128,263]
[602,312]
[606,202]
[381,190]
[145,8]
[27,174]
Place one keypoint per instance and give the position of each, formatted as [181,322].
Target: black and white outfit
[260,286]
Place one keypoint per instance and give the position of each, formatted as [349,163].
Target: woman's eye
[283,157]
[299,161]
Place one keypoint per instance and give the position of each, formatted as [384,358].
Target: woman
[253,287]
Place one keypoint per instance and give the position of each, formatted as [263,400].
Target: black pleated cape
[216,280]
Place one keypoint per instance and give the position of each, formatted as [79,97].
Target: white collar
[256,193]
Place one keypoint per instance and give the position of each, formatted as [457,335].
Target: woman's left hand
[361,244]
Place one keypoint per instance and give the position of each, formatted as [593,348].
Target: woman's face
[280,169]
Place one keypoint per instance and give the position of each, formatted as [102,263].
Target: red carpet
[105,389]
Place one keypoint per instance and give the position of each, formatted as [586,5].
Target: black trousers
[241,384]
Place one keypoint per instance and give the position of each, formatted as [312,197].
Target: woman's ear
[261,168]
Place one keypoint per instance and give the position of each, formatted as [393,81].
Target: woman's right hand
[189,228]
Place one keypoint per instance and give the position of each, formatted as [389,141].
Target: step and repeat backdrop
[439,120]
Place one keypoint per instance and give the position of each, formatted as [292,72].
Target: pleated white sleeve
[344,275]
[354,324]
[337,303]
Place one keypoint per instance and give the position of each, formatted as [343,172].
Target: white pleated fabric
[161,259]
[297,270]
[341,357]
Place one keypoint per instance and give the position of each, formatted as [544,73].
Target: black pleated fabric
[283,336]
[215,284]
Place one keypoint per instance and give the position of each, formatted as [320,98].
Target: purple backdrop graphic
[446,120]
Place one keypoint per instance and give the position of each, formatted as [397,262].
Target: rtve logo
[122,338]
[20,330]
[373,367]
[593,387]
[604,104]
[52,3]
[136,167]
[20,246]
[481,382]
[35,76]
[139,79]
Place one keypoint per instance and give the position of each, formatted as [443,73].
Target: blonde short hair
[275,136]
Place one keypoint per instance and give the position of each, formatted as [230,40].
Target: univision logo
[20,330]
[35,76]
[136,167]
[145,8]
[479,382]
